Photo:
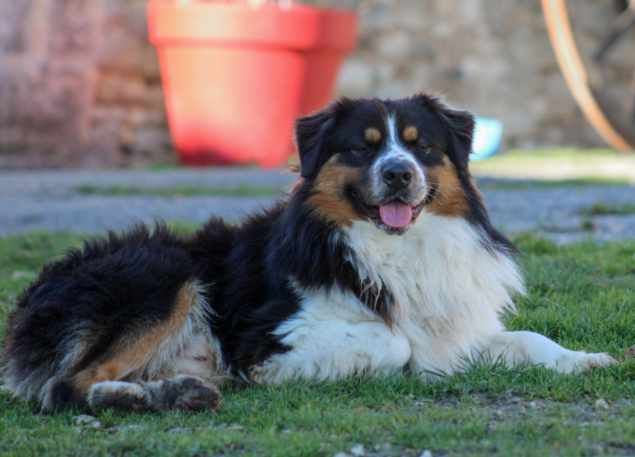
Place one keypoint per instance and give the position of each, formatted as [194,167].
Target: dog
[382,259]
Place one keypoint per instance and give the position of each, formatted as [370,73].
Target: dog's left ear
[461,132]
[312,134]
[460,126]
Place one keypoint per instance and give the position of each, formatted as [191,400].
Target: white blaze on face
[394,150]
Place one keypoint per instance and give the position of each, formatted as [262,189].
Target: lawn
[591,166]
[180,191]
[581,295]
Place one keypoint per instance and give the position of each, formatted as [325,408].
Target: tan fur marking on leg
[328,198]
[450,199]
[198,358]
[133,353]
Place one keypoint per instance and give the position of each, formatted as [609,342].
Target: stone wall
[80,85]
[490,56]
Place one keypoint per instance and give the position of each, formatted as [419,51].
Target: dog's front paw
[577,362]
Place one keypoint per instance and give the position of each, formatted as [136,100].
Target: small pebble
[22,274]
[421,403]
[426,453]
[84,420]
[383,447]
[125,428]
[601,403]
[358,450]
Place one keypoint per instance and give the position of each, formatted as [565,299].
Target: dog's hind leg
[515,348]
[171,364]
[126,308]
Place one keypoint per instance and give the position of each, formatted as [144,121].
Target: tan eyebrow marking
[410,134]
[372,135]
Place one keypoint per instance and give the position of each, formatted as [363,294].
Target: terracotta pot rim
[300,27]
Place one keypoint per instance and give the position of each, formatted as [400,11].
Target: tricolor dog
[382,259]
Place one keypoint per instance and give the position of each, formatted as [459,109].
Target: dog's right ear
[312,134]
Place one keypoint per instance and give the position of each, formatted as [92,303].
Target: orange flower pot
[235,77]
[338,36]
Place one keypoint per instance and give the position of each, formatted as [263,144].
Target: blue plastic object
[488,138]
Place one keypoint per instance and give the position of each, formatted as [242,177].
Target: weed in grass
[586,224]
[606,209]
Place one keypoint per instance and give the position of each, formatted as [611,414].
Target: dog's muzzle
[400,190]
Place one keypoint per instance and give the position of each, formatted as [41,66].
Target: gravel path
[49,201]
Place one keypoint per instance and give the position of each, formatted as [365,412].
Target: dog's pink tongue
[395,215]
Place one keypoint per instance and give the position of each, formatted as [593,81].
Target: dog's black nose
[397,175]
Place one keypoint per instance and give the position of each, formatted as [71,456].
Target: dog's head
[386,160]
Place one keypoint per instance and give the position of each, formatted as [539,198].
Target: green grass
[606,209]
[163,166]
[581,167]
[179,191]
[523,184]
[581,295]
[530,157]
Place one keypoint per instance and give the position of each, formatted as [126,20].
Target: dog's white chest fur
[449,291]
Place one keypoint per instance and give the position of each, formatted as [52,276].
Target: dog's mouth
[397,215]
